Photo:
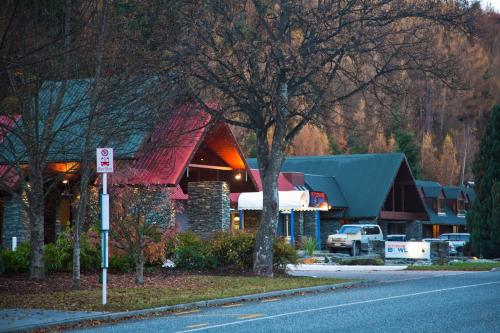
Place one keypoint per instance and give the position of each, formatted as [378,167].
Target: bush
[90,254]
[362,261]
[15,261]
[58,256]
[283,253]
[122,263]
[310,245]
[192,253]
[233,249]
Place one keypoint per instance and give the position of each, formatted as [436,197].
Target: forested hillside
[437,124]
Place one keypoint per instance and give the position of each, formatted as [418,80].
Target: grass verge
[191,288]
[457,266]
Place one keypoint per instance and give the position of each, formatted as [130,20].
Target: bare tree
[277,65]
[73,91]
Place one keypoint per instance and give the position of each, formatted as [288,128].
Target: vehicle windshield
[349,229]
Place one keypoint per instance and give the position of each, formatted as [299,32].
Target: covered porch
[296,209]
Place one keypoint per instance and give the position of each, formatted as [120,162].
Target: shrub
[233,249]
[283,253]
[58,256]
[362,261]
[192,253]
[122,263]
[90,254]
[15,261]
[310,245]
[191,258]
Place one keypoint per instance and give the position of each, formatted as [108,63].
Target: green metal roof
[364,179]
[124,111]
[431,190]
[470,193]
[451,192]
[327,185]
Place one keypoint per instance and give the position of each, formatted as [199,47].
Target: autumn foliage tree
[277,65]
[140,215]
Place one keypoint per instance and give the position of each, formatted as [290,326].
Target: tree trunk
[139,268]
[270,166]
[37,220]
[79,219]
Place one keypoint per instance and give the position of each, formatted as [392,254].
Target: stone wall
[208,207]
[414,230]
[15,221]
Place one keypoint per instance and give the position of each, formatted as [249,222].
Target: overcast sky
[494,3]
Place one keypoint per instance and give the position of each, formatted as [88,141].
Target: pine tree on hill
[484,218]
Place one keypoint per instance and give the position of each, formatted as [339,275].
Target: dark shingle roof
[123,110]
[364,179]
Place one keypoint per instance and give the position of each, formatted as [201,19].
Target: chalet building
[446,207]
[199,161]
[364,188]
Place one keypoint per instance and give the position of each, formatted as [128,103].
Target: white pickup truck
[354,238]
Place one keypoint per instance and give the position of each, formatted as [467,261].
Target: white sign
[104,160]
[407,250]
[105,211]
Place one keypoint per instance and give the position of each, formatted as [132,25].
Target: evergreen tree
[484,218]
[406,143]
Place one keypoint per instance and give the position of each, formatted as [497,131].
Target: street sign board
[408,250]
[104,160]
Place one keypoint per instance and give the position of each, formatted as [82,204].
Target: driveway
[379,276]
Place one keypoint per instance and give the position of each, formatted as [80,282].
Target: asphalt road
[447,303]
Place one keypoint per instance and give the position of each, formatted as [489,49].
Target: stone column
[15,221]
[208,207]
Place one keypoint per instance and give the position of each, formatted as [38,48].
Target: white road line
[339,306]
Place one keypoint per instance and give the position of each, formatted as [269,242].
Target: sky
[494,3]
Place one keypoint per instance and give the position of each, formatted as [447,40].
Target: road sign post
[104,160]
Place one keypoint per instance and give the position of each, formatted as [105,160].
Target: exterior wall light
[238,176]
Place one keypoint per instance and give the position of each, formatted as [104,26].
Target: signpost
[104,165]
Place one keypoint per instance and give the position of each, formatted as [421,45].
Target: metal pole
[241,218]
[318,231]
[104,240]
[292,231]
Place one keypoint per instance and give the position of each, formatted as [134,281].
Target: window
[461,207]
[441,206]
[349,229]
[372,231]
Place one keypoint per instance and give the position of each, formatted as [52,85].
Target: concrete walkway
[343,268]
[24,319]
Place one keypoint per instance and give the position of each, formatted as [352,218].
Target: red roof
[8,176]
[166,153]
[176,193]
[283,183]
[164,157]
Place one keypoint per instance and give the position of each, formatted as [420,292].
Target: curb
[193,305]
[343,268]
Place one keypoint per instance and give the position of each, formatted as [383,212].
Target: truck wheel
[356,249]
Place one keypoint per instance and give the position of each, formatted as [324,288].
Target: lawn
[159,290]
[458,266]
